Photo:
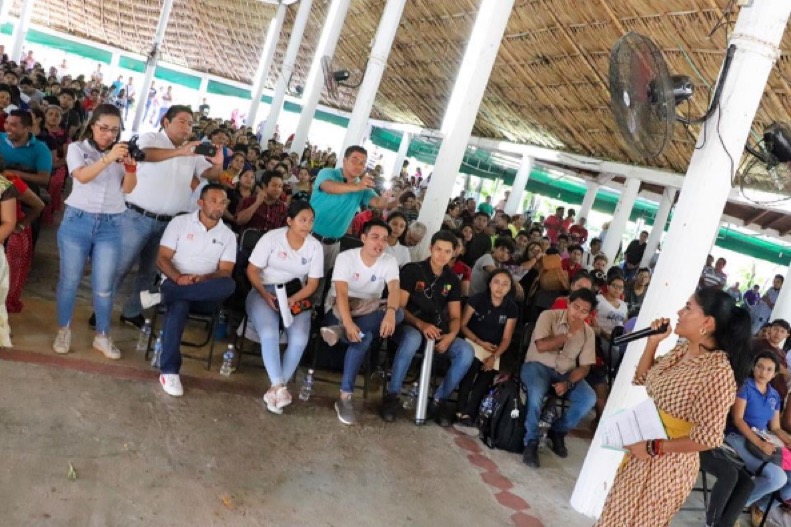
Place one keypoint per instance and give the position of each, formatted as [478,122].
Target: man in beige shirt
[562,350]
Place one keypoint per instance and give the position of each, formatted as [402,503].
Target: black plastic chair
[236,303]
[614,356]
[208,318]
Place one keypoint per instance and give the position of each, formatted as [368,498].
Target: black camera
[135,152]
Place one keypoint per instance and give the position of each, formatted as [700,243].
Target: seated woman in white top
[611,311]
[397,222]
[284,255]
[91,227]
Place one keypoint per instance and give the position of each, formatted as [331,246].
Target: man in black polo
[431,300]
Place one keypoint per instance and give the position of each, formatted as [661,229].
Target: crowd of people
[163,215]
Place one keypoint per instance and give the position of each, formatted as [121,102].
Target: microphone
[637,335]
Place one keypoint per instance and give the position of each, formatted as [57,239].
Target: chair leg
[768,508]
[705,490]
[151,335]
[214,320]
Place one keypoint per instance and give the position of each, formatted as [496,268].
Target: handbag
[359,307]
[776,457]
[293,287]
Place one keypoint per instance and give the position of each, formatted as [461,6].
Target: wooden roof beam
[755,217]
[610,13]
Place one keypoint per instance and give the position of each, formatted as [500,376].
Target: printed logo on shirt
[304,260]
[282,255]
[373,278]
[356,277]
[502,319]
[420,287]
[190,236]
[446,290]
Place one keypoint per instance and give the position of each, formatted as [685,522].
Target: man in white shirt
[165,181]
[196,256]
[356,312]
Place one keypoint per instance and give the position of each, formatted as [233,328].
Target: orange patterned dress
[647,493]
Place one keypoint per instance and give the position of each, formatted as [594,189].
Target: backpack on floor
[505,428]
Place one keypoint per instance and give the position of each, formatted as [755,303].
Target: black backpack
[505,428]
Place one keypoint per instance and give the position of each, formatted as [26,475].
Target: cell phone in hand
[206,149]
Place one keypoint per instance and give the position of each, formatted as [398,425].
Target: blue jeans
[356,351]
[772,476]
[178,301]
[409,340]
[538,380]
[266,322]
[141,237]
[82,235]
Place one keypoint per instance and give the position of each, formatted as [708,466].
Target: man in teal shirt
[486,206]
[338,194]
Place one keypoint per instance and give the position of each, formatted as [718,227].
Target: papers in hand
[282,303]
[633,425]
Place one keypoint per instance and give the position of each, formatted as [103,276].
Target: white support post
[336,15]
[265,63]
[203,89]
[518,188]
[662,213]
[287,68]
[620,218]
[115,60]
[151,64]
[5,7]
[465,101]
[588,200]
[403,148]
[377,62]
[757,35]
[782,307]
[20,30]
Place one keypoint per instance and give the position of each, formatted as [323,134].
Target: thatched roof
[550,82]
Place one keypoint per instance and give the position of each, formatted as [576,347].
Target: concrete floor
[216,457]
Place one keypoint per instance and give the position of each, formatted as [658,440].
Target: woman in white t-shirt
[281,256]
[397,222]
[611,311]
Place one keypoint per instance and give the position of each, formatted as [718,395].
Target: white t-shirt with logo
[364,282]
[279,263]
[609,316]
[198,250]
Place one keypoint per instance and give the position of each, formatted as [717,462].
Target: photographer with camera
[103,172]
[170,172]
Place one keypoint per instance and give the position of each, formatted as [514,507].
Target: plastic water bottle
[145,332]
[307,387]
[487,405]
[221,330]
[227,361]
[157,358]
[411,399]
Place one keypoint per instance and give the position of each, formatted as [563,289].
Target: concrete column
[518,188]
[588,200]
[665,206]
[115,60]
[5,7]
[403,148]
[151,64]
[757,35]
[203,89]
[782,307]
[620,218]
[315,81]
[20,30]
[377,62]
[265,63]
[287,68]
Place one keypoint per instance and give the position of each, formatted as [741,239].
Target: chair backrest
[248,240]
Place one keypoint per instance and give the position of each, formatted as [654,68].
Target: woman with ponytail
[693,387]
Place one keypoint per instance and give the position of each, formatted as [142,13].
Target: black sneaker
[389,409]
[443,415]
[92,321]
[558,443]
[137,321]
[530,455]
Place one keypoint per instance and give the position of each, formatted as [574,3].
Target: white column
[588,200]
[377,62]
[518,188]
[315,80]
[757,35]
[20,30]
[403,148]
[287,68]
[5,7]
[620,218]
[465,100]
[782,307]
[203,89]
[115,60]
[151,63]
[662,213]
[267,55]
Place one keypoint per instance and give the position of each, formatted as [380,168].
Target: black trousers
[473,388]
[729,494]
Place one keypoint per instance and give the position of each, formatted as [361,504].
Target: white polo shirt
[165,187]
[198,250]
[363,281]
[279,263]
[101,195]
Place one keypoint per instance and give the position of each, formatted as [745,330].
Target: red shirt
[579,233]
[266,217]
[462,271]
[360,220]
[22,187]
[571,270]
[553,225]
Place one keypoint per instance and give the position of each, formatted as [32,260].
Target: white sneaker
[62,342]
[271,403]
[105,344]
[171,383]
[283,398]
[148,299]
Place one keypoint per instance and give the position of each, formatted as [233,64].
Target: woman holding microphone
[693,387]
[103,172]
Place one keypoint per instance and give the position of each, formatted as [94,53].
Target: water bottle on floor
[411,399]
[307,387]
[487,405]
[157,357]
[145,332]
[227,361]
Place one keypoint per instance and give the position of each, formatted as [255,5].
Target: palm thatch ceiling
[549,86]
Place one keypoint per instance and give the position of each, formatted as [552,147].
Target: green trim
[128,63]
[220,88]
[177,77]
[62,44]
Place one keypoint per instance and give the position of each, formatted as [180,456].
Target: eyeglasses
[104,129]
